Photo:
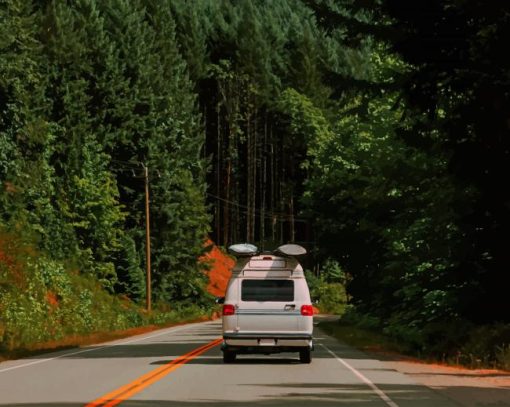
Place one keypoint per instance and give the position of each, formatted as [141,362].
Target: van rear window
[267,290]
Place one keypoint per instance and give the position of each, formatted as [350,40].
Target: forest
[376,133]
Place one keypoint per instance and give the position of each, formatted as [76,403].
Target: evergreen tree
[174,151]
[460,78]
[251,53]
[440,252]
[29,182]
[78,53]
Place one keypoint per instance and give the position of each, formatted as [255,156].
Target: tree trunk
[248,176]
[274,219]
[292,230]
[226,223]
[263,184]
[254,174]
[218,174]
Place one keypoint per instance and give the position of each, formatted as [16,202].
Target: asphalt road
[183,366]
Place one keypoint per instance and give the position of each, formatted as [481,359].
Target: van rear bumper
[256,335]
[266,342]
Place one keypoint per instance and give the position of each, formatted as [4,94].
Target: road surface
[183,366]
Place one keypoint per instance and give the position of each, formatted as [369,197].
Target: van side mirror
[220,300]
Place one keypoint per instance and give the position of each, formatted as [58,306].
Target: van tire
[305,355]
[229,356]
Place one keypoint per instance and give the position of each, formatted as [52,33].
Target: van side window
[267,290]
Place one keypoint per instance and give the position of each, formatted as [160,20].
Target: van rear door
[267,305]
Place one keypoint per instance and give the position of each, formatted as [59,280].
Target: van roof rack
[291,250]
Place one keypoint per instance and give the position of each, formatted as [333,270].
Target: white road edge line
[363,378]
[172,330]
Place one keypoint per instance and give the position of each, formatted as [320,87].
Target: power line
[129,166]
[257,211]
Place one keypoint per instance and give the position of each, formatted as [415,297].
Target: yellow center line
[125,392]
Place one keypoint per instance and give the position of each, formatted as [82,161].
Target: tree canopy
[376,133]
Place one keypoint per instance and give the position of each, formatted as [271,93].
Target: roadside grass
[76,341]
[48,305]
[360,338]
[478,352]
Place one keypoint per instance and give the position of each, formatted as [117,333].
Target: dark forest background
[374,132]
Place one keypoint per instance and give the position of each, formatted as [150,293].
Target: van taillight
[307,310]
[228,309]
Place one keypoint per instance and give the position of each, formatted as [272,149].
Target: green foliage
[438,214]
[332,298]
[307,122]
[385,210]
[86,104]
[174,150]
[181,313]
[317,130]
[332,272]
[243,55]
[328,290]
[503,356]
[313,282]
[473,138]
[41,301]
[482,345]
[363,320]
[456,341]
[131,277]
[20,84]
[363,338]
[92,209]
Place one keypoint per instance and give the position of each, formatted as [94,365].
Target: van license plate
[267,342]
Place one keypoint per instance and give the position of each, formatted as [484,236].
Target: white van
[267,307]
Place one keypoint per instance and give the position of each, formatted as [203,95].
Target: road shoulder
[466,387]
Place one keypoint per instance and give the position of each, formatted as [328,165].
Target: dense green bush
[42,301]
[456,341]
[487,344]
[365,321]
[332,298]
[328,290]
[81,108]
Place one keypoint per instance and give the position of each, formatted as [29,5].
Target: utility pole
[147,240]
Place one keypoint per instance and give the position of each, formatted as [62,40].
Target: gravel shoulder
[467,387]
